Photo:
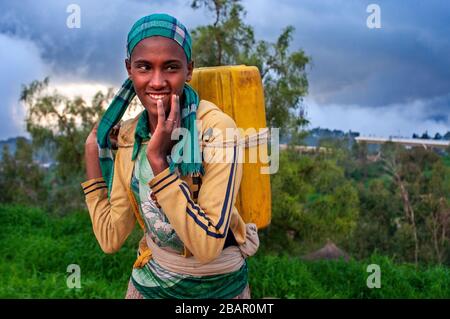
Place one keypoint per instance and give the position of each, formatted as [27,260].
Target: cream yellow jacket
[202,225]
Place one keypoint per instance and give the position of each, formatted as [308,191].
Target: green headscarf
[187,156]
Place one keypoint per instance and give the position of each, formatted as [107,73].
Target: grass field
[36,249]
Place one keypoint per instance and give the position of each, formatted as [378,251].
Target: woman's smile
[158,96]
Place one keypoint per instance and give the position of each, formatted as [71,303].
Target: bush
[312,202]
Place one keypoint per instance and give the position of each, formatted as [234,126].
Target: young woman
[180,187]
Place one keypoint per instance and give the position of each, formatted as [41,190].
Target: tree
[390,157]
[425,136]
[62,124]
[447,136]
[360,153]
[378,220]
[21,179]
[313,202]
[57,120]
[423,184]
[230,41]
[436,202]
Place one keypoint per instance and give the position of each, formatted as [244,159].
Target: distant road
[405,141]
[306,149]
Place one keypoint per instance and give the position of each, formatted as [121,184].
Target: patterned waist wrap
[170,275]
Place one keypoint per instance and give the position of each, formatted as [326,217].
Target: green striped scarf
[186,156]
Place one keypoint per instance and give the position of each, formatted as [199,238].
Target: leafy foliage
[61,125]
[405,206]
[313,201]
[21,179]
[65,123]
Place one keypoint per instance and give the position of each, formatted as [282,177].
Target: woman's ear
[190,68]
[128,67]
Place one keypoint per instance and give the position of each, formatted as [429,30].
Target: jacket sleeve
[112,220]
[203,226]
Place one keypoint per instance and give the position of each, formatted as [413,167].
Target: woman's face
[158,68]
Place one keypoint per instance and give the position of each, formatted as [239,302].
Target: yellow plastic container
[238,91]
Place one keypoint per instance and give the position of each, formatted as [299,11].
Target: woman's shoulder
[126,132]
[213,117]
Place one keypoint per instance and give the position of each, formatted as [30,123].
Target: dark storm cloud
[408,58]
[406,62]
[403,65]
[96,50]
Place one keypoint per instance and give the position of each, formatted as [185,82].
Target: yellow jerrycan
[238,91]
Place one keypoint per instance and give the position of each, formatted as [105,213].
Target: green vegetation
[289,277]
[312,202]
[36,250]
[397,205]
[447,160]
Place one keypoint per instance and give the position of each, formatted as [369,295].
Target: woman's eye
[143,67]
[172,67]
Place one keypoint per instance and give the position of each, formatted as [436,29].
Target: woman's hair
[163,25]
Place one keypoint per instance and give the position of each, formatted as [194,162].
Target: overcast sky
[394,80]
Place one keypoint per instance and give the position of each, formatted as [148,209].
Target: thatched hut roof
[329,252]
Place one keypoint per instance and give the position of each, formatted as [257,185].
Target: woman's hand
[91,140]
[91,155]
[91,151]
[114,136]
[161,143]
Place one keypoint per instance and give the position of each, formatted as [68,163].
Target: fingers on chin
[160,107]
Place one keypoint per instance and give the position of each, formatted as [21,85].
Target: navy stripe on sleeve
[231,206]
[227,194]
[210,233]
[162,180]
[100,187]
[189,200]
[168,183]
[201,213]
[95,183]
